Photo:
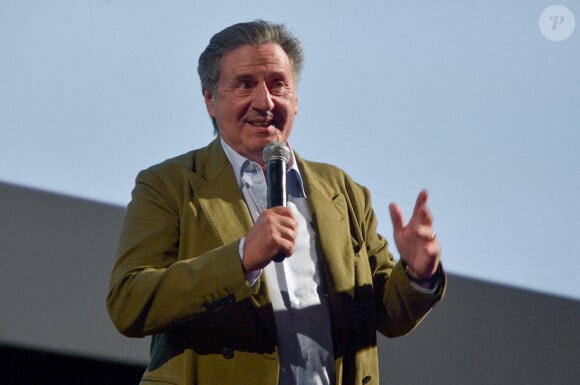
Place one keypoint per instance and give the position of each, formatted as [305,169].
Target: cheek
[226,113]
[289,106]
[236,109]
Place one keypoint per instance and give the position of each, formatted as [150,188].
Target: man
[195,265]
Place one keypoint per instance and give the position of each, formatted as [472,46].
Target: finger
[284,242]
[285,214]
[396,218]
[426,216]
[289,223]
[279,216]
[421,201]
[426,232]
[287,233]
[287,248]
[422,214]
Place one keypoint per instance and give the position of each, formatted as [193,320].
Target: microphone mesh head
[276,150]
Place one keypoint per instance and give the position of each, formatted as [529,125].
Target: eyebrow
[272,73]
[275,75]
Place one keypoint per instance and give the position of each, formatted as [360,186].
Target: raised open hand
[416,241]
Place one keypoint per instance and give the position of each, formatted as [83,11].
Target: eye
[243,85]
[278,85]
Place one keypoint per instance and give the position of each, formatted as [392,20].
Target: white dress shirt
[296,287]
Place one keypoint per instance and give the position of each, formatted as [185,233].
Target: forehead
[254,60]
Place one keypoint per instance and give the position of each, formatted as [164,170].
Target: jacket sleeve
[153,285]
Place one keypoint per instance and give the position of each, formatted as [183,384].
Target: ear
[209,102]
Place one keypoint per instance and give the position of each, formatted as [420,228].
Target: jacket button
[366,380]
[228,353]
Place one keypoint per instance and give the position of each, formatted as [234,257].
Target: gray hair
[253,33]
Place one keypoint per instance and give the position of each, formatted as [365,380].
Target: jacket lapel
[215,187]
[330,214]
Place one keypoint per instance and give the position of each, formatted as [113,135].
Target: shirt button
[305,356]
[297,303]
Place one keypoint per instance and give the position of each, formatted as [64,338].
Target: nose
[262,98]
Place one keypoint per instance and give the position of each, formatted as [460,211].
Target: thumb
[396,217]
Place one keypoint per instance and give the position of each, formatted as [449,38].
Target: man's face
[255,100]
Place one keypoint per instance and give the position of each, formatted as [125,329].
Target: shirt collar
[241,164]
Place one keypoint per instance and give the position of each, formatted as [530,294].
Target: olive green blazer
[179,277]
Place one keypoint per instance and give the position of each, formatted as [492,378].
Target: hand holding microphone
[274,233]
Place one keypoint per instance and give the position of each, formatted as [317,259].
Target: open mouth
[263,123]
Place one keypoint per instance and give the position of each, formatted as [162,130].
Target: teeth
[257,124]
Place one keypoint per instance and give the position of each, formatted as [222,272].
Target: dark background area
[30,366]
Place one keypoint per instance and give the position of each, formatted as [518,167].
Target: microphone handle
[276,177]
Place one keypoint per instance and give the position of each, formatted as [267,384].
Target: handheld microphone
[276,157]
